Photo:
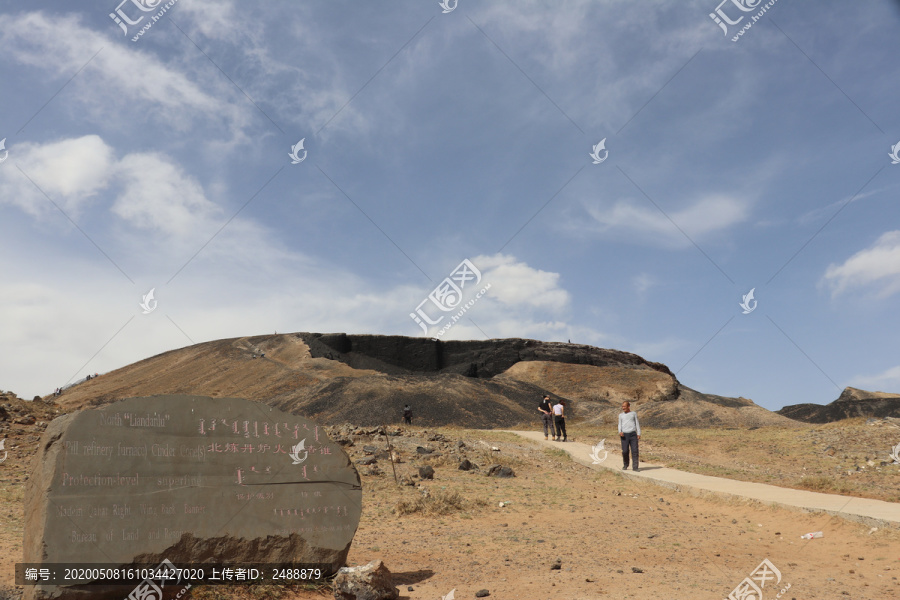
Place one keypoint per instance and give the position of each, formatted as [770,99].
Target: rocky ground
[560,530]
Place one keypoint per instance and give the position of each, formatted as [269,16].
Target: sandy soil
[614,537]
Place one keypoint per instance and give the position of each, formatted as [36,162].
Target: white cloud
[706,216]
[160,197]
[877,265]
[119,78]
[642,282]
[888,380]
[515,284]
[70,172]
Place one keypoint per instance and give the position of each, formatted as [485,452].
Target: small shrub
[440,502]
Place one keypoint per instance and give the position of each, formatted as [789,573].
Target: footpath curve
[863,510]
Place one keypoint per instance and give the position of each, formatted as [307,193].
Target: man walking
[630,432]
[546,411]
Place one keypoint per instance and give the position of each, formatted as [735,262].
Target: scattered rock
[465,465]
[370,449]
[26,420]
[369,460]
[426,472]
[367,582]
[636,570]
[421,450]
[460,444]
[500,471]
[482,594]
[556,566]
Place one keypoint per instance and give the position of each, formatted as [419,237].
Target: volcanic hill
[851,403]
[366,380]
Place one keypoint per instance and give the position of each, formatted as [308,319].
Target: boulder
[500,471]
[190,480]
[367,582]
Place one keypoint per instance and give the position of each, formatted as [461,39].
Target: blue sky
[434,137]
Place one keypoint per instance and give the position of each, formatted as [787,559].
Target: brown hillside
[596,384]
[366,379]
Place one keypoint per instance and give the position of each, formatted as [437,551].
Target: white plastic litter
[815,534]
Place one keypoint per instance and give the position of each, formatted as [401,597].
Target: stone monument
[190,480]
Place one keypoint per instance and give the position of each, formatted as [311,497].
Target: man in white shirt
[630,432]
[559,419]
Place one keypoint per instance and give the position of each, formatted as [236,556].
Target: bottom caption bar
[169,574]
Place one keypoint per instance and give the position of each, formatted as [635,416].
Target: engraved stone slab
[189,479]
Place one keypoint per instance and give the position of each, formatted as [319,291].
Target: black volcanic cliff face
[851,403]
[400,355]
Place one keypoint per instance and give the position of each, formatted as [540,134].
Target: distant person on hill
[630,432]
[546,410]
[407,415]
[559,418]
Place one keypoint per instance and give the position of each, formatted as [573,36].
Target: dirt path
[871,512]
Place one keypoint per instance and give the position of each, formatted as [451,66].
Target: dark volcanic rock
[500,471]
[851,403]
[426,472]
[396,355]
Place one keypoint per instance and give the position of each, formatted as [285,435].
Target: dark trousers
[548,424]
[560,426]
[630,441]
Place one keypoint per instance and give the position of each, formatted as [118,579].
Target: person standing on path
[546,410]
[559,417]
[407,414]
[630,432]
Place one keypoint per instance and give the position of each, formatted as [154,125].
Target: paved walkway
[864,510]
